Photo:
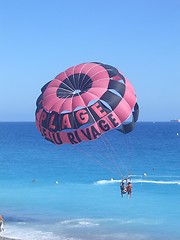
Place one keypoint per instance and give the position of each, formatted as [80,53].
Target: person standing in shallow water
[1,223]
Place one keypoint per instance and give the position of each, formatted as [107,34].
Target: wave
[112,181]
[13,231]
[156,181]
[80,223]
[107,181]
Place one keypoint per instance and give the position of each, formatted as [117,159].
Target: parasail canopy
[85,101]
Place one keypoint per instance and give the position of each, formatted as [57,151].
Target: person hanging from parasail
[84,102]
[123,188]
[126,186]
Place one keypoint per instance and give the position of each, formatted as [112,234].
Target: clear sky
[41,38]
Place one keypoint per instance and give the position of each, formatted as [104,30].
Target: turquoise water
[72,191]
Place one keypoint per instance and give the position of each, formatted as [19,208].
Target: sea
[72,192]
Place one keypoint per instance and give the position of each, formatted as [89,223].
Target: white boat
[176,120]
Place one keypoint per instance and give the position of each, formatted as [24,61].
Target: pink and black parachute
[85,101]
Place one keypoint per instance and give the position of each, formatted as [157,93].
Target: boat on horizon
[176,120]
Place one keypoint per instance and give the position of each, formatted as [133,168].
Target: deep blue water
[72,191]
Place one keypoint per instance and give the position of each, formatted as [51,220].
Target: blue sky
[41,38]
